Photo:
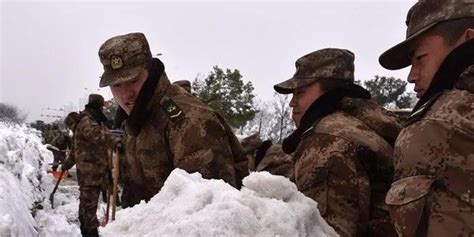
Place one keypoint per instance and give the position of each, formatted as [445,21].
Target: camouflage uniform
[277,162]
[167,128]
[62,141]
[269,157]
[343,155]
[91,155]
[434,153]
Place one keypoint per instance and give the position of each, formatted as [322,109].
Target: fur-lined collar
[322,107]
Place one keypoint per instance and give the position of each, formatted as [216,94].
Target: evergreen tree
[225,92]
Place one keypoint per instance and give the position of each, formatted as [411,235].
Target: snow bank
[25,186]
[188,205]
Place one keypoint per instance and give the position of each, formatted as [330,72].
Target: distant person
[92,143]
[342,147]
[266,156]
[185,84]
[166,127]
[434,154]
[61,142]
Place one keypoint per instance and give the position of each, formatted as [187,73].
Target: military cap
[96,99]
[251,142]
[71,119]
[123,57]
[421,17]
[327,63]
[184,84]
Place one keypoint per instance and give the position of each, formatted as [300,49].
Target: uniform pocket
[314,184]
[406,199]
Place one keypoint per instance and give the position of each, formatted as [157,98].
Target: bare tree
[281,111]
[10,113]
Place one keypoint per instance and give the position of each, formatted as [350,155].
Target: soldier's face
[427,54]
[303,98]
[126,93]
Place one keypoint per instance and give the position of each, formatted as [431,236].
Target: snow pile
[25,185]
[188,205]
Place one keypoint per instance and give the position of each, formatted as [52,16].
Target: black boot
[90,232]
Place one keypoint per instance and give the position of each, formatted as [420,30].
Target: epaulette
[420,112]
[171,109]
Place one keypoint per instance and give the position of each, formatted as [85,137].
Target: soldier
[71,121]
[62,142]
[265,156]
[165,127]
[91,143]
[433,193]
[185,84]
[342,145]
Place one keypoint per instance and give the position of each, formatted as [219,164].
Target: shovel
[51,197]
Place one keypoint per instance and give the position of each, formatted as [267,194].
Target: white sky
[49,49]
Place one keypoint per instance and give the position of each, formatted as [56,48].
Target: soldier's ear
[469,34]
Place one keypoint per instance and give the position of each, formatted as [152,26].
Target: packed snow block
[25,186]
[22,179]
[189,205]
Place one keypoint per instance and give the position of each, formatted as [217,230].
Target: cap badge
[116,62]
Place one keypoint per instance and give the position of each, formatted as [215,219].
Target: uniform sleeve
[327,171]
[70,160]
[200,145]
[94,132]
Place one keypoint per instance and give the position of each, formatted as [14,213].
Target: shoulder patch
[171,109]
[420,112]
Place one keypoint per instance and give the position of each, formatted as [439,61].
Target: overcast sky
[49,49]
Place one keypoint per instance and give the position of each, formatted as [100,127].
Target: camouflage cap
[421,17]
[251,142]
[184,84]
[123,57]
[322,64]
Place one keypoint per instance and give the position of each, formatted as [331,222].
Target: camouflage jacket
[342,162]
[277,162]
[62,140]
[434,162]
[91,151]
[178,131]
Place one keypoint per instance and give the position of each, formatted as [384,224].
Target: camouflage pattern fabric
[91,146]
[277,162]
[88,201]
[331,168]
[424,15]
[329,63]
[62,141]
[180,132]
[434,167]
[123,57]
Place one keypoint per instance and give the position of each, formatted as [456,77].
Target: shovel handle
[51,197]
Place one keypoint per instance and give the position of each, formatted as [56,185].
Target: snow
[189,205]
[25,187]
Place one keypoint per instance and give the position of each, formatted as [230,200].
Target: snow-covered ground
[25,187]
[188,205]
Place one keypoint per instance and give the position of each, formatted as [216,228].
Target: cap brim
[398,56]
[288,86]
[116,77]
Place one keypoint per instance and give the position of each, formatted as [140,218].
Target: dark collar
[322,107]
[96,113]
